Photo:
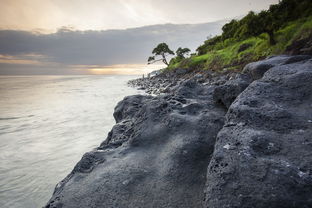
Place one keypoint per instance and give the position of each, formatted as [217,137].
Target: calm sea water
[46,124]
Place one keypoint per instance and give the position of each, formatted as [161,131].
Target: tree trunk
[165,60]
[271,37]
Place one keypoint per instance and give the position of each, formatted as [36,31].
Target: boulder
[257,69]
[155,156]
[231,142]
[263,154]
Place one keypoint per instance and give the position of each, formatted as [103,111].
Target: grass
[226,54]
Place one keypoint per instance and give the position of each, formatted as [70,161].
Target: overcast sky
[52,47]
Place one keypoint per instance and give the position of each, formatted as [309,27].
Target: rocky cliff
[238,140]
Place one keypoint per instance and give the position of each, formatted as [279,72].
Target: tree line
[252,25]
[266,21]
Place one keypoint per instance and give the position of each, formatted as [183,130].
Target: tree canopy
[267,21]
[181,52]
[161,50]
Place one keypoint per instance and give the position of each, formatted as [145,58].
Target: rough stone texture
[168,81]
[176,150]
[225,94]
[155,156]
[257,69]
[263,154]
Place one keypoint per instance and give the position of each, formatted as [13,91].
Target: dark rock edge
[229,140]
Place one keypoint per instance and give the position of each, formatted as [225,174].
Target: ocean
[46,124]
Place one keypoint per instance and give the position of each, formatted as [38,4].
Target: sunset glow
[135,69]
[105,36]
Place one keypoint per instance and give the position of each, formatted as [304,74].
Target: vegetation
[181,55]
[161,50]
[255,36]
[181,52]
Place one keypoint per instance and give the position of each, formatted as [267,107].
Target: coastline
[205,140]
[46,125]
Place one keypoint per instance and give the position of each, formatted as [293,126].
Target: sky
[105,36]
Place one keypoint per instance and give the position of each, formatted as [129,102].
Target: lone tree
[161,50]
[181,52]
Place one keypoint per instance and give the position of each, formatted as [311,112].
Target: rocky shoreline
[206,140]
[167,82]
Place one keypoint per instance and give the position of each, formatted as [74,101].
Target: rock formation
[263,154]
[239,140]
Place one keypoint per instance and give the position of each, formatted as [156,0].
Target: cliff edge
[238,140]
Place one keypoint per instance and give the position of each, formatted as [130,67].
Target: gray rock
[181,71]
[257,69]
[225,94]
[229,142]
[262,156]
[155,156]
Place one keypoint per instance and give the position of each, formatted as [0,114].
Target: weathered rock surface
[167,82]
[263,154]
[257,69]
[225,94]
[155,156]
[214,142]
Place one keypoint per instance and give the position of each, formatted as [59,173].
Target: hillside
[286,28]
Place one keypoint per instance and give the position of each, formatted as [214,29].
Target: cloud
[109,47]
[27,59]
[121,14]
